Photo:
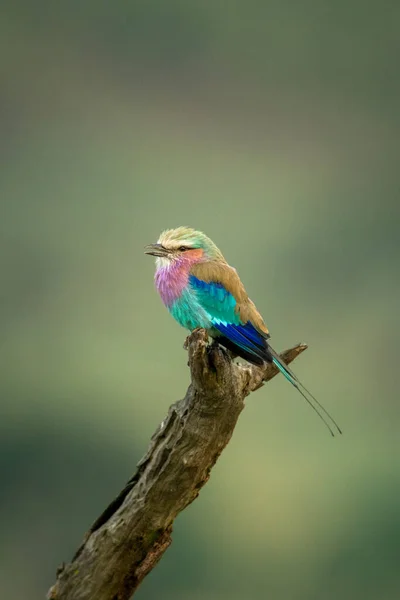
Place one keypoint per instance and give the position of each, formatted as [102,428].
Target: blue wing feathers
[220,305]
[245,336]
[211,289]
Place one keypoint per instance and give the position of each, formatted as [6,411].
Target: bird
[201,290]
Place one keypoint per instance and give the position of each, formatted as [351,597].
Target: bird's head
[183,244]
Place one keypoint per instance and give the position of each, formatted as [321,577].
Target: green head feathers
[185,238]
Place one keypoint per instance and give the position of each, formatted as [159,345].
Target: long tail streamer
[307,395]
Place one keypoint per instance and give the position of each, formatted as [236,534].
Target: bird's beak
[156,250]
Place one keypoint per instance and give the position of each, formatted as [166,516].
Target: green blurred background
[274,127]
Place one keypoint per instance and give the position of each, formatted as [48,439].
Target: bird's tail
[312,401]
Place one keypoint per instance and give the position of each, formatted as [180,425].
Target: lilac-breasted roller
[200,289]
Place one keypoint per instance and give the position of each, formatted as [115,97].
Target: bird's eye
[183,248]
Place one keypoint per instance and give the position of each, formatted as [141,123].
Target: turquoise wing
[220,305]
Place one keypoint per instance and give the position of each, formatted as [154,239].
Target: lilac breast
[171,280]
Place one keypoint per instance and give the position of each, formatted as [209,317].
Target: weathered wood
[129,538]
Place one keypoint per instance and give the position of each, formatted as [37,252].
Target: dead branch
[129,538]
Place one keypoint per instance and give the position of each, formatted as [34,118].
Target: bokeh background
[274,127]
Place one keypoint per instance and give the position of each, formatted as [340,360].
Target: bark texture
[129,538]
